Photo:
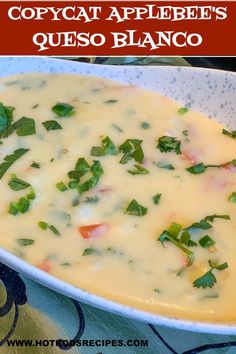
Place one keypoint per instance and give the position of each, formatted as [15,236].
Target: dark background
[224,63]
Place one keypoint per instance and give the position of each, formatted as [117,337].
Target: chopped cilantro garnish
[172,235]
[131,149]
[13,209]
[164,164]
[139,170]
[134,208]
[111,101]
[107,148]
[25,242]
[94,199]
[54,230]
[31,195]
[73,184]
[23,204]
[156,290]
[208,280]
[185,132]
[63,110]
[145,125]
[17,184]
[197,169]
[6,117]
[44,226]
[10,159]
[216,216]
[35,165]
[185,239]
[51,125]
[21,207]
[156,198]
[202,224]
[168,143]
[200,167]
[117,128]
[232,134]
[82,166]
[182,110]
[232,197]
[25,126]
[91,252]
[81,169]
[61,186]
[206,242]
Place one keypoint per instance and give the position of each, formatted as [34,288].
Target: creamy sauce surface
[89,237]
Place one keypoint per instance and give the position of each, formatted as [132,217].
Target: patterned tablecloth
[34,319]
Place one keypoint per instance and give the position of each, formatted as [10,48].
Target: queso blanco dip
[121,192]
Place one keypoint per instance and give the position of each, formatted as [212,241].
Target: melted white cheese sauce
[130,266]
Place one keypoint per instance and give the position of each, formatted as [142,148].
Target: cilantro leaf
[139,170]
[156,198]
[61,186]
[202,224]
[197,169]
[200,167]
[185,239]
[206,242]
[25,126]
[97,172]
[232,134]
[182,110]
[107,148]
[6,116]
[10,159]
[35,165]
[63,110]
[25,242]
[17,184]
[82,166]
[166,236]
[21,207]
[111,101]
[117,128]
[51,125]
[44,226]
[134,208]
[54,230]
[81,169]
[216,216]
[164,164]
[208,280]
[232,197]
[174,229]
[94,199]
[145,125]
[168,143]
[91,251]
[131,148]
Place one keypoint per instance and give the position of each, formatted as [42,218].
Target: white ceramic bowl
[210,91]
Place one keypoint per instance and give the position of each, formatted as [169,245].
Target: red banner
[115,28]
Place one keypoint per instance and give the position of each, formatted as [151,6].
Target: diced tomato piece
[188,156]
[229,168]
[94,230]
[105,189]
[45,265]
